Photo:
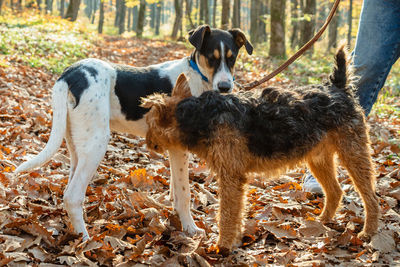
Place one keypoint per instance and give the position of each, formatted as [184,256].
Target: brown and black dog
[269,133]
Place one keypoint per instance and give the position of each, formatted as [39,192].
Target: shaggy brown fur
[243,133]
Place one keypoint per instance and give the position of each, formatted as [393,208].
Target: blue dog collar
[196,68]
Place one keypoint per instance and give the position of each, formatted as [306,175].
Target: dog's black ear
[181,88]
[241,40]
[197,35]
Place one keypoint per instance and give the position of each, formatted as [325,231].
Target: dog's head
[216,52]
[162,133]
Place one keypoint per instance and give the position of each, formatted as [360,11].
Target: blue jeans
[377,47]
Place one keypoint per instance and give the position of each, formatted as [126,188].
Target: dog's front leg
[179,161]
[231,194]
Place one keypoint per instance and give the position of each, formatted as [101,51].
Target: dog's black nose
[224,87]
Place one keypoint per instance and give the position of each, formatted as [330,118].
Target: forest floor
[128,211]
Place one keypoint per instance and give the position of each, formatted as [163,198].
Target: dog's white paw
[193,230]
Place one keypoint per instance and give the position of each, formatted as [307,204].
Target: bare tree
[101,17]
[188,11]
[117,12]
[128,27]
[38,2]
[88,7]
[226,5]
[333,32]
[258,11]
[135,16]
[214,20]
[158,17]
[152,15]
[295,34]
[141,18]
[121,22]
[204,12]
[73,9]
[62,7]
[19,6]
[178,18]
[308,23]
[277,43]
[350,22]
[49,6]
[236,14]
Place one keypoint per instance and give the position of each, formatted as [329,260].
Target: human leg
[377,48]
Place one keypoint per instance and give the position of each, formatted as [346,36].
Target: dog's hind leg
[322,166]
[90,155]
[179,161]
[73,161]
[354,154]
[88,136]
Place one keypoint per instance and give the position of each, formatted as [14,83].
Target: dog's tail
[59,103]
[341,74]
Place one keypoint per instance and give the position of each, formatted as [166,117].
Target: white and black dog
[93,97]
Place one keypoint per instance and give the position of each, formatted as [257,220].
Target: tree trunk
[258,11]
[62,6]
[350,22]
[88,7]
[294,11]
[204,12]
[117,12]
[277,43]
[178,18]
[135,15]
[188,11]
[152,15]
[101,17]
[198,14]
[308,25]
[225,14]
[39,4]
[128,27]
[73,9]
[333,32]
[121,22]
[1,5]
[158,17]
[322,10]
[20,5]
[141,18]
[253,20]
[215,14]
[95,7]
[236,14]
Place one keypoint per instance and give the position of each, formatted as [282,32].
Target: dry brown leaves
[128,211]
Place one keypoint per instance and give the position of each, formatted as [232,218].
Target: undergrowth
[43,41]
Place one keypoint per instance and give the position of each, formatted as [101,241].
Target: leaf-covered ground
[128,212]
